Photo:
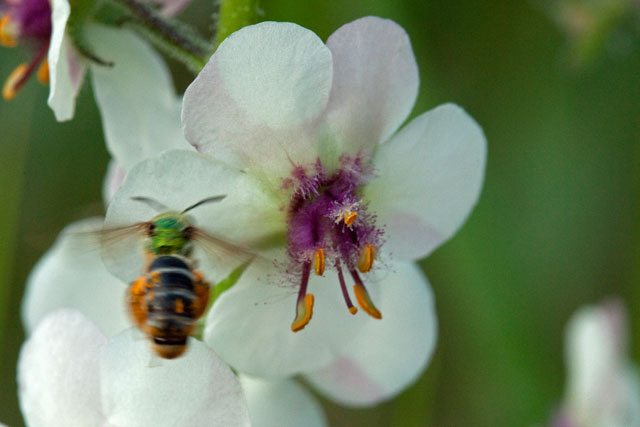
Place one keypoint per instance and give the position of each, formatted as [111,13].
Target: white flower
[137,84]
[72,277]
[301,137]
[70,374]
[603,387]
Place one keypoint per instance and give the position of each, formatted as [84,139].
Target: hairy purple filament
[327,219]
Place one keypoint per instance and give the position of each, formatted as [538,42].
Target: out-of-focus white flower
[70,374]
[136,85]
[594,26]
[71,276]
[301,137]
[603,387]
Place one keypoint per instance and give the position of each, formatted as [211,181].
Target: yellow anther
[350,217]
[364,301]
[367,255]
[9,90]
[303,313]
[318,262]
[155,277]
[43,72]
[8,31]
[353,309]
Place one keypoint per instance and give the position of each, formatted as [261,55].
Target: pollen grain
[367,255]
[364,300]
[304,313]
[7,39]
[318,262]
[43,72]
[10,88]
[350,218]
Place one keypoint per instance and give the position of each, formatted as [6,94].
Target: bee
[167,300]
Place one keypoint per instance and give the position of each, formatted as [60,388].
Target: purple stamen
[322,215]
[345,293]
[35,61]
[304,281]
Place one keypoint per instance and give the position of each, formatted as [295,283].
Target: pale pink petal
[196,390]
[66,69]
[250,325]
[281,403]
[113,179]
[178,179]
[72,275]
[429,177]
[254,103]
[58,372]
[387,355]
[139,107]
[603,387]
[375,82]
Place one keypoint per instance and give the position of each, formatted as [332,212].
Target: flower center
[329,226]
[28,20]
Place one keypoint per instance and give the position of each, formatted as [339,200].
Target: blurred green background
[556,226]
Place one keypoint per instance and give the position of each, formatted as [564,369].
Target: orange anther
[155,277]
[10,89]
[350,217]
[364,300]
[318,262]
[303,313]
[43,72]
[353,309]
[8,31]
[367,255]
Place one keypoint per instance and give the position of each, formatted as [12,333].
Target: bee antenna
[152,203]
[203,201]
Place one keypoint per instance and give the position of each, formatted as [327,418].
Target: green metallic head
[169,234]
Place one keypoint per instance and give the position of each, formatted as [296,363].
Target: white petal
[58,372]
[250,325]
[375,82]
[196,389]
[71,275]
[252,102]
[113,179]
[179,179]
[387,355]
[595,356]
[66,69]
[282,403]
[429,178]
[139,107]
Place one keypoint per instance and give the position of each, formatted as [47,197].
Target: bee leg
[201,289]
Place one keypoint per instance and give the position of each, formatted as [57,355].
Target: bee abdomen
[176,301]
[169,261]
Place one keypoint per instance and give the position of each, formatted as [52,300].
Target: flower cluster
[326,202]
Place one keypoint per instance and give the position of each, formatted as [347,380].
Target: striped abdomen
[172,299]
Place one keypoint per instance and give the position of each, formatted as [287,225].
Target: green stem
[235,14]
[174,38]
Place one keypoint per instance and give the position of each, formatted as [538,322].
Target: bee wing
[222,256]
[107,236]
[121,250]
